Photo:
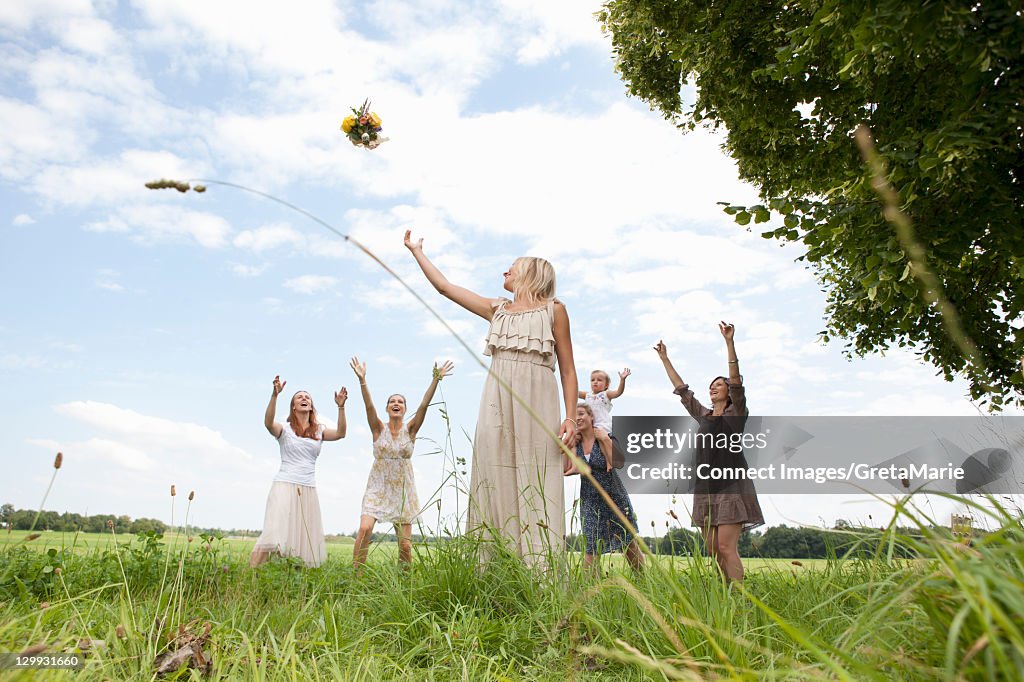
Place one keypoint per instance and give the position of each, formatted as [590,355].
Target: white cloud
[100,450]
[310,284]
[65,346]
[18,361]
[147,432]
[41,138]
[156,223]
[269,237]
[550,28]
[242,270]
[22,219]
[114,181]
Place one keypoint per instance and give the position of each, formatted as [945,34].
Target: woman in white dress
[292,524]
[391,488]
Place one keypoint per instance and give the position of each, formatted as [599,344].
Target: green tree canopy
[939,84]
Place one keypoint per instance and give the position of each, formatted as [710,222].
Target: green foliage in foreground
[953,613]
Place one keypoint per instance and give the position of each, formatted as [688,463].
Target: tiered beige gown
[516,491]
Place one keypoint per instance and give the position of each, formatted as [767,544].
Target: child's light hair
[535,279]
[601,372]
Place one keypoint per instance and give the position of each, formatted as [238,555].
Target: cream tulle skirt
[292,524]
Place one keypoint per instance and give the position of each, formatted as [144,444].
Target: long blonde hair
[535,279]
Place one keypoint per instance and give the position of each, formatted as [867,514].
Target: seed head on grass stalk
[57,462]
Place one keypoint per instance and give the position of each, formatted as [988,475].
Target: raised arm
[567,371]
[268,417]
[681,389]
[673,375]
[421,412]
[612,395]
[473,302]
[372,420]
[728,333]
[736,391]
[339,432]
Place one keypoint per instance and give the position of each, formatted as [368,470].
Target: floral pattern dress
[602,528]
[391,489]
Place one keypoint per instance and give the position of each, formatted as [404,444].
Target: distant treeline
[783,542]
[777,542]
[68,522]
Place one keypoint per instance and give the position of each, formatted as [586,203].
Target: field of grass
[237,548]
[85,542]
[952,613]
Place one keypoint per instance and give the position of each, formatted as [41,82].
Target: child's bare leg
[606,446]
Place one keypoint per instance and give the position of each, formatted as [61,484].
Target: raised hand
[624,373]
[727,330]
[410,244]
[359,368]
[444,370]
[340,397]
[661,349]
[278,385]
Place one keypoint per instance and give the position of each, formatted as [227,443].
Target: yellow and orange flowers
[363,127]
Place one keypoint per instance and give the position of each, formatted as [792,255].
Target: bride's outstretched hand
[410,244]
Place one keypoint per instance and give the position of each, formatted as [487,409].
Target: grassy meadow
[132,605]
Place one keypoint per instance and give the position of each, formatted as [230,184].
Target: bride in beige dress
[516,488]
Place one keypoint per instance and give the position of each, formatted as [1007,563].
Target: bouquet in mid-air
[363,127]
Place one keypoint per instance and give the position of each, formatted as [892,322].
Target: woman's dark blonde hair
[586,408]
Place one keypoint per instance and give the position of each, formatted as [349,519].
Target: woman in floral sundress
[391,489]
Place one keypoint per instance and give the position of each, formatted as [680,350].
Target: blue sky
[140,331]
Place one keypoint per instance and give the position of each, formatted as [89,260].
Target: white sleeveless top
[601,406]
[298,456]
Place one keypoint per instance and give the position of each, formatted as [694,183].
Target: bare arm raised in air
[736,391]
[376,427]
[690,402]
[612,395]
[339,432]
[421,412]
[473,302]
[268,417]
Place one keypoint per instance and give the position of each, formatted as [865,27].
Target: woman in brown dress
[722,508]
